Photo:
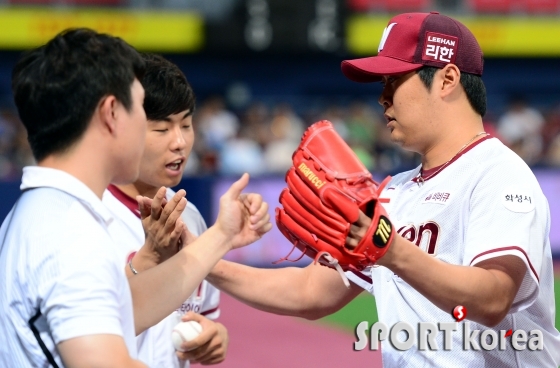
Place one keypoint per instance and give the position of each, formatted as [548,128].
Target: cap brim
[371,69]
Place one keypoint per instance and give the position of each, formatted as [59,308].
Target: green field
[363,309]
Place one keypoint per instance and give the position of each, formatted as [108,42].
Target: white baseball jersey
[485,203]
[154,345]
[60,268]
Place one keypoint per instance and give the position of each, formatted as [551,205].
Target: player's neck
[455,125]
[139,188]
[449,148]
[81,164]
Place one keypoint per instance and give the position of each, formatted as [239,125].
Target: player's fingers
[175,216]
[207,351]
[363,220]
[176,234]
[357,232]
[264,229]
[143,208]
[260,223]
[215,360]
[172,205]
[255,202]
[209,331]
[351,243]
[156,203]
[259,213]
[190,316]
[197,346]
[245,200]
[211,356]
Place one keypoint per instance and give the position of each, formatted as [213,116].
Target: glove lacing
[332,262]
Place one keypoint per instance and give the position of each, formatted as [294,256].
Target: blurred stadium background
[264,70]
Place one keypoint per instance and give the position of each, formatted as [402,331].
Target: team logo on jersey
[194,302]
[425,235]
[188,306]
[383,233]
[441,198]
[386,32]
[518,200]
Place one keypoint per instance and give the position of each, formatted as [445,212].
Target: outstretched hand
[243,218]
[164,229]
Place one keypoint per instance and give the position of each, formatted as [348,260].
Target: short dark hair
[472,84]
[167,90]
[58,86]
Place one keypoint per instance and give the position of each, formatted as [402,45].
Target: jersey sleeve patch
[518,200]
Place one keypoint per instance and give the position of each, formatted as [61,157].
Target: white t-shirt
[154,345]
[486,203]
[57,257]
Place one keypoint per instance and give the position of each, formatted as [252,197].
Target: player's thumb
[236,188]
[189,316]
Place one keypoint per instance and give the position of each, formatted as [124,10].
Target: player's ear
[108,113]
[450,79]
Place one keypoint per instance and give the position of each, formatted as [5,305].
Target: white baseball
[183,332]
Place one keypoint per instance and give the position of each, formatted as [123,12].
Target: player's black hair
[58,86]
[166,89]
[472,84]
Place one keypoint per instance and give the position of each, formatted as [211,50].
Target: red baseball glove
[327,187]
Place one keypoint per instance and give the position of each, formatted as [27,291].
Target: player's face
[132,132]
[407,104]
[168,145]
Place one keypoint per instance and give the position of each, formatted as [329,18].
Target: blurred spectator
[335,114]
[239,155]
[215,123]
[362,123]
[255,123]
[520,128]
[551,138]
[286,130]
[263,141]
[553,153]
[15,152]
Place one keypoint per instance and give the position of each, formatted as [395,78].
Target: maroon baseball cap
[412,40]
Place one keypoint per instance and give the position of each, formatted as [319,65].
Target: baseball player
[469,226]
[169,103]
[65,299]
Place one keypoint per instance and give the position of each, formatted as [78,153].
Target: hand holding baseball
[185,332]
[209,346]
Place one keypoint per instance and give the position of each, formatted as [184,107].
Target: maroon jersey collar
[125,199]
[424,175]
